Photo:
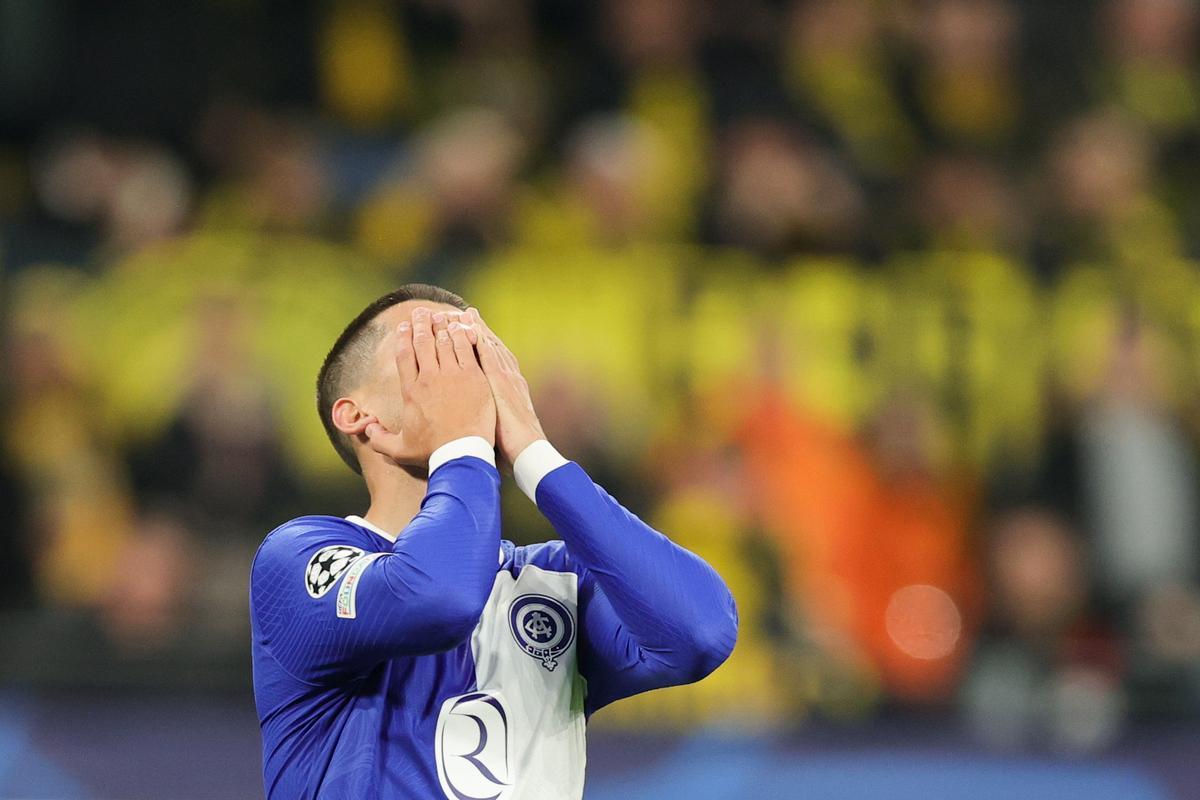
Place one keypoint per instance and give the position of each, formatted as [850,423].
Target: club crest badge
[542,626]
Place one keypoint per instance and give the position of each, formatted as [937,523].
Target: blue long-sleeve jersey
[448,662]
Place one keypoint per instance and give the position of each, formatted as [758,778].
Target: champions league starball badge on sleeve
[326,566]
[542,626]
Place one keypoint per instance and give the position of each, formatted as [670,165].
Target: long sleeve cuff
[457,448]
[534,463]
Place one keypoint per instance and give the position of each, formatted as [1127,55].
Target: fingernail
[420,311]
[439,317]
[456,326]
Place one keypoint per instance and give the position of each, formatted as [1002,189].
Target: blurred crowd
[889,308]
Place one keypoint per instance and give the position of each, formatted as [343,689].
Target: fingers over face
[473,316]
[463,350]
[422,336]
[406,357]
[442,342]
[470,329]
[489,355]
[506,358]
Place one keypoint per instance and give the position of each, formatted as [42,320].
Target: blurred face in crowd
[969,198]
[468,161]
[834,26]
[903,437]
[653,31]
[969,34]
[35,363]
[1099,164]
[136,192]
[1159,31]
[609,160]
[777,189]
[1134,375]
[1037,572]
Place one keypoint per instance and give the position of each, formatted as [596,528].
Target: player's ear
[349,417]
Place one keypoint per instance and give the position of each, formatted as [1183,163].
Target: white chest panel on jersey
[520,734]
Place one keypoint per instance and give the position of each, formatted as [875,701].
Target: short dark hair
[343,367]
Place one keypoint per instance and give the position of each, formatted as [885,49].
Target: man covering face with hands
[411,652]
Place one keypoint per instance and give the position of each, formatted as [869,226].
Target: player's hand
[517,424]
[445,393]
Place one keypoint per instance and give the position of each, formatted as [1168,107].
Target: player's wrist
[470,445]
[518,444]
[534,462]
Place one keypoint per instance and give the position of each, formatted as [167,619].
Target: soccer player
[413,653]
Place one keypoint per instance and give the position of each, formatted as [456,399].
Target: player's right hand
[444,391]
[517,422]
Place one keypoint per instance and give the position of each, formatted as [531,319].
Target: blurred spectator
[136,194]
[148,613]
[872,535]
[467,163]
[80,514]
[965,76]
[1100,166]
[839,60]
[917,601]
[969,203]
[1044,673]
[219,462]
[612,167]
[271,170]
[654,33]
[1152,75]
[365,69]
[1140,482]
[453,200]
[779,193]
[1101,202]
[1139,476]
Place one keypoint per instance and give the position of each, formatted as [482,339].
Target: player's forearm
[672,604]
[423,596]
[443,565]
[427,594]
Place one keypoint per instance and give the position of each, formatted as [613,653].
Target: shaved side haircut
[345,367]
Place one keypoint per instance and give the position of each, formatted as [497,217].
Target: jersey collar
[357,520]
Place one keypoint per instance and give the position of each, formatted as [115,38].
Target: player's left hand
[517,424]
